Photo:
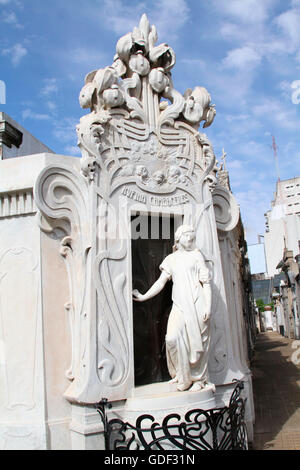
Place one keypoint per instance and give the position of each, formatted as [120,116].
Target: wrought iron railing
[213,429]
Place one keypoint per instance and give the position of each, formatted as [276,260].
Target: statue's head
[184,238]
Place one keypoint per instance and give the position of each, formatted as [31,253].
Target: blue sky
[245,52]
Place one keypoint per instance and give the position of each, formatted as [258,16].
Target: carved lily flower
[105,78]
[130,43]
[139,64]
[124,46]
[158,79]
[162,56]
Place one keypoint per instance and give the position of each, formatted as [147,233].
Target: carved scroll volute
[63,197]
[226,209]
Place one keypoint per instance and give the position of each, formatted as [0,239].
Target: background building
[283,223]
[275,272]
[15,141]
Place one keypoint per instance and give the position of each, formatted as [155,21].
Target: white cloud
[50,87]
[65,131]
[11,19]
[28,113]
[195,62]
[16,53]
[274,112]
[234,165]
[169,16]
[72,150]
[242,58]
[285,88]
[51,106]
[289,23]
[258,34]
[122,16]
[86,56]
[246,11]
[254,202]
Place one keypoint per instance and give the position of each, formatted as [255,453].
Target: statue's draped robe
[187,338]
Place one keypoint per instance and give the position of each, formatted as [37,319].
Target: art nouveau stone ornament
[133,103]
[188,331]
[141,151]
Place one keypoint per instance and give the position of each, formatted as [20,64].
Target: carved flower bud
[124,46]
[202,96]
[139,64]
[85,96]
[130,43]
[162,56]
[105,78]
[158,79]
[138,37]
[196,104]
[113,97]
[192,110]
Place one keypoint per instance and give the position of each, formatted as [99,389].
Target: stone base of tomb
[158,417]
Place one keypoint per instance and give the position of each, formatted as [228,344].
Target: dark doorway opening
[153,243]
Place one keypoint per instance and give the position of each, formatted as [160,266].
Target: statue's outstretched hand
[137,295]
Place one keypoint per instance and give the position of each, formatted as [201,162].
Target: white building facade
[283,223]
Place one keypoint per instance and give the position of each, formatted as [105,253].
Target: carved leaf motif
[144,26]
[171,112]
[62,195]
[113,328]
[133,103]
[209,116]
[152,37]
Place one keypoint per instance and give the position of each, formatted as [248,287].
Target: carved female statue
[188,330]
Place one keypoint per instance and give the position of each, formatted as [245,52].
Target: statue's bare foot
[181,387]
[197,386]
[174,380]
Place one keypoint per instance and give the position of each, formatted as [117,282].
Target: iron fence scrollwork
[213,429]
